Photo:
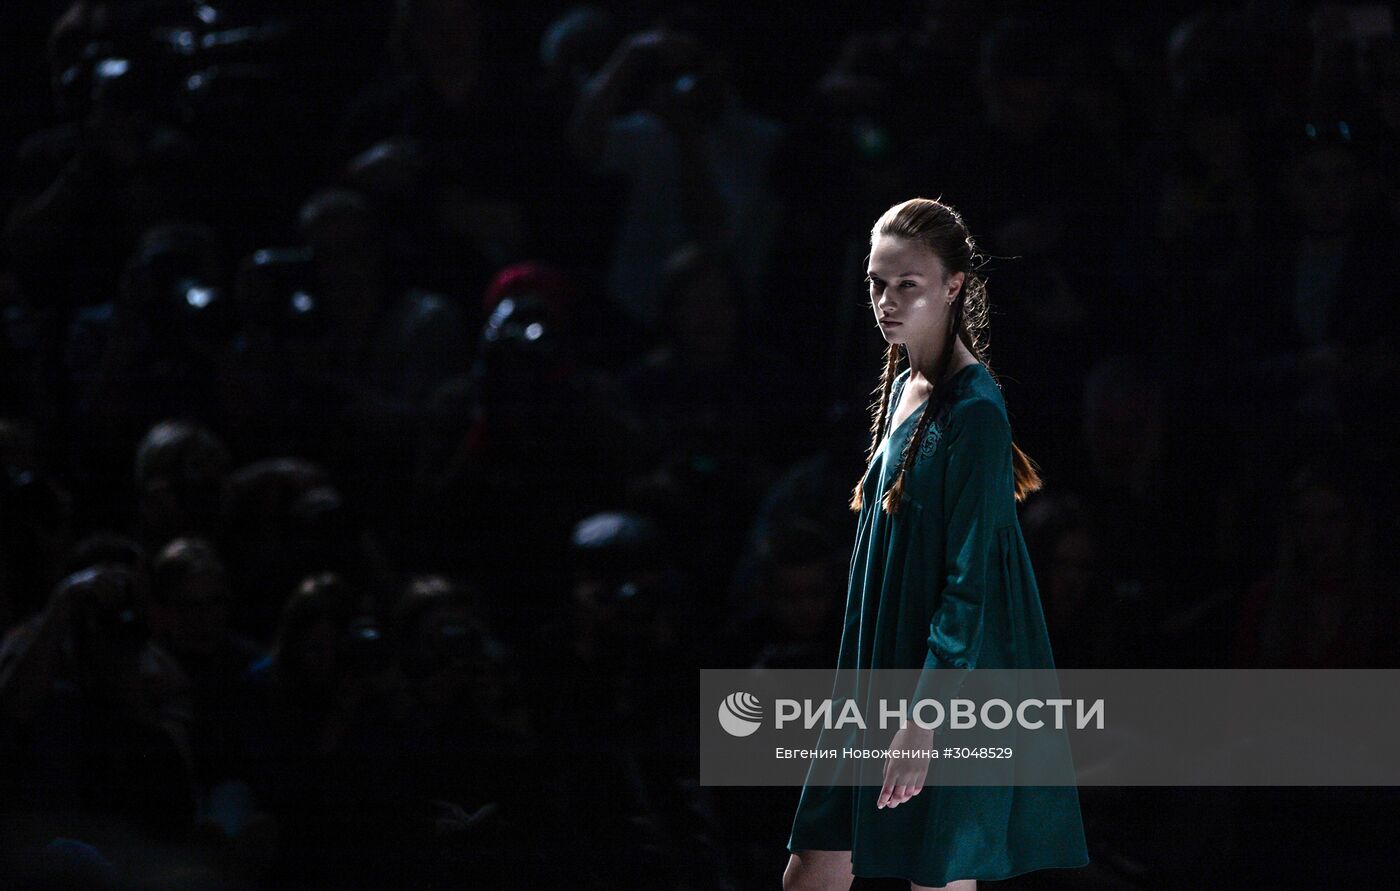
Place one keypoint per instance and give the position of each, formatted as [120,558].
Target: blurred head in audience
[109,627]
[577,44]
[347,252]
[1324,178]
[800,579]
[442,646]
[702,306]
[441,39]
[180,473]
[310,647]
[1022,86]
[1123,422]
[623,614]
[687,84]
[189,598]
[1326,525]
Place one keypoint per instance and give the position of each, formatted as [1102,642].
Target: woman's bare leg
[818,871]
[959,885]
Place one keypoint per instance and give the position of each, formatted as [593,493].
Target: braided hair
[940,228]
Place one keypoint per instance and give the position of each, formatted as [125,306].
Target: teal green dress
[945,584]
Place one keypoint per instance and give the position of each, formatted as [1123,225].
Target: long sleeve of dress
[977,495]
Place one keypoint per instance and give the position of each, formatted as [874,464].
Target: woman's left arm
[976,493]
[978,498]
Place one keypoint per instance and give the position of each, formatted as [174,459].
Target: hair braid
[881,412]
[911,446]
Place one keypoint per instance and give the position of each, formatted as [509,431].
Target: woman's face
[910,290]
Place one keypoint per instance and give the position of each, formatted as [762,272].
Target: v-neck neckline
[918,409]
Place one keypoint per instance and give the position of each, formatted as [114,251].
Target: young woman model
[938,539]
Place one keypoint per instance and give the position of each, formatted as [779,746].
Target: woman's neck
[922,367]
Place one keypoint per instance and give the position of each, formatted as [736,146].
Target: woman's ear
[955,283]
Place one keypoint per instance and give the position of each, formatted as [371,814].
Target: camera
[171,284]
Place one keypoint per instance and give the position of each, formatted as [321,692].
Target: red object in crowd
[537,279]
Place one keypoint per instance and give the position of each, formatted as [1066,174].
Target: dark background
[370,368]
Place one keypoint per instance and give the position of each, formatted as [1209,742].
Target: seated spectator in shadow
[794,619]
[326,533]
[695,161]
[1202,185]
[99,547]
[254,519]
[294,706]
[453,81]
[715,411]
[85,190]
[195,660]
[1202,175]
[706,384]
[364,373]
[465,783]
[328,345]
[153,352]
[1022,188]
[422,249]
[1020,177]
[180,472]
[861,132]
[811,494]
[85,733]
[269,406]
[494,448]
[1323,324]
[785,611]
[585,209]
[163,330]
[1091,623]
[847,137]
[615,557]
[1151,492]
[630,621]
[616,662]
[283,522]
[1327,602]
[397,346]
[36,528]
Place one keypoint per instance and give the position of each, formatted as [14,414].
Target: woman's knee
[818,871]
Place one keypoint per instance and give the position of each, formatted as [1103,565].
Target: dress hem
[988,877]
[865,872]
